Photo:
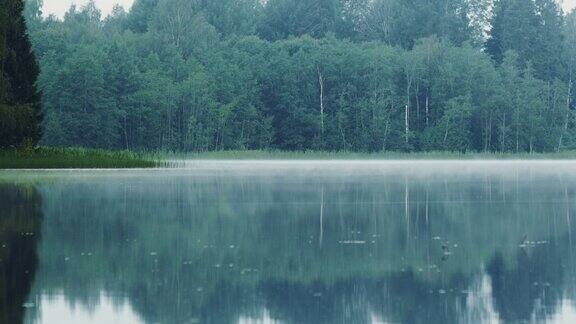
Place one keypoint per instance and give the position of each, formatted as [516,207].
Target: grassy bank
[52,158]
[321,155]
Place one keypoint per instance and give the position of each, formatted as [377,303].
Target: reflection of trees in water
[168,244]
[532,286]
[20,220]
[398,298]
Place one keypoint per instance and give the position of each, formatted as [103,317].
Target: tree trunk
[490,132]
[567,117]
[126,131]
[517,138]
[488,136]
[417,91]
[385,144]
[407,113]
[503,140]
[446,134]
[427,109]
[531,137]
[407,123]
[321,82]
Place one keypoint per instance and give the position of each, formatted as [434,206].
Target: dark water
[290,243]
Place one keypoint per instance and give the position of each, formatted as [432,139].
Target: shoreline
[87,159]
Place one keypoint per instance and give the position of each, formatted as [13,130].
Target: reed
[345,155]
[74,158]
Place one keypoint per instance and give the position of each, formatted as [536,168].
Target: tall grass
[344,155]
[76,158]
[60,158]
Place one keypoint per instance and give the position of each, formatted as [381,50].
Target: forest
[330,75]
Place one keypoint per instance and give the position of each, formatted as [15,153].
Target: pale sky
[569,4]
[59,7]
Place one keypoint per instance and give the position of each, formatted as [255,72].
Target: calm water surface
[289,242]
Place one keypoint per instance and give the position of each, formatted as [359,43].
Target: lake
[291,242]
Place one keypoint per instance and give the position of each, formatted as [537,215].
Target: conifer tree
[20,107]
[531,28]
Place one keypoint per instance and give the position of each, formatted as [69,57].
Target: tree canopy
[369,75]
[20,111]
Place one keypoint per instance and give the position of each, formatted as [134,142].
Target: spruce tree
[514,25]
[20,105]
[531,28]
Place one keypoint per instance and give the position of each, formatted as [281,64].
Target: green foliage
[533,29]
[401,22]
[141,15]
[15,124]
[50,158]
[20,110]
[174,75]
[177,159]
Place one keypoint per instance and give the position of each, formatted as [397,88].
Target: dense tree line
[364,75]
[20,111]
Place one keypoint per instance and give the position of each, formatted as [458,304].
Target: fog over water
[293,242]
